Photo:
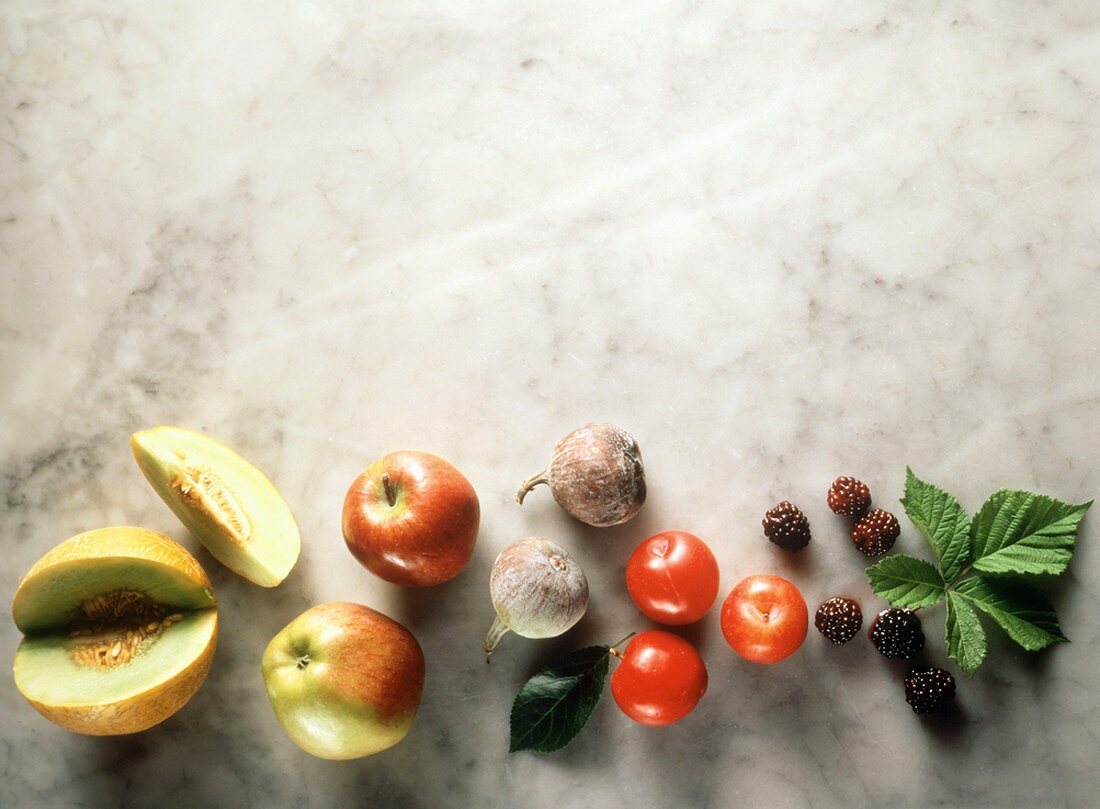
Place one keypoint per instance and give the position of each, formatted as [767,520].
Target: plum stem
[613,649]
[497,631]
[532,482]
[387,484]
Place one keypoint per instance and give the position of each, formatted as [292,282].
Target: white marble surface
[777,241]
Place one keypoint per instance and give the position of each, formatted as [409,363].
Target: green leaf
[965,636]
[555,704]
[1021,532]
[942,521]
[905,581]
[1021,610]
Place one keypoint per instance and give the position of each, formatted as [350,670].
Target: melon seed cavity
[204,491]
[119,626]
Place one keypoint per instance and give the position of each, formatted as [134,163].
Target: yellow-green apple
[344,680]
[412,519]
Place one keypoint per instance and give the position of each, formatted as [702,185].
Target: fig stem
[613,649]
[532,482]
[387,484]
[497,631]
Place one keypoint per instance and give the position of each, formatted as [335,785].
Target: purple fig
[595,474]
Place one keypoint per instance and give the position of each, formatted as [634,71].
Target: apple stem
[303,661]
[497,631]
[532,482]
[387,484]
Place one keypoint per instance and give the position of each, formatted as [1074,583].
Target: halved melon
[223,500]
[120,628]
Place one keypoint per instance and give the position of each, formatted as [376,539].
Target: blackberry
[896,632]
[839,619]
[849,497]
[787,527]
[929,689]
[876,533]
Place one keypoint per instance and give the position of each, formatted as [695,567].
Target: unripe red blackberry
[849,497]
[876,533]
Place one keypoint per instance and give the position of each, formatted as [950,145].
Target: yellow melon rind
[139,712]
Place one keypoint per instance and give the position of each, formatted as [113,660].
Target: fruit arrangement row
[120,624]
[981,566]
[673,579]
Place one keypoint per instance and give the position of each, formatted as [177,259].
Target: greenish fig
[538,591]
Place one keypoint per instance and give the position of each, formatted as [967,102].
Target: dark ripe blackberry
[876,533]
[849,497]
[787,527]
[839,619]
[929,689]
[896,632]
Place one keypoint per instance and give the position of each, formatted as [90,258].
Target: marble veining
[777,241]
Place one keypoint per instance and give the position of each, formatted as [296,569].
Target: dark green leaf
[942,521]
[1021,610]
[965,636]
[906,582]
[1021,532]
[555,704]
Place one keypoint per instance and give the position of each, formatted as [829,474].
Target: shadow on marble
[950,727]
[428,612]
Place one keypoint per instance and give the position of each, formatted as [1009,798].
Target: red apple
[344,680]
[412,519]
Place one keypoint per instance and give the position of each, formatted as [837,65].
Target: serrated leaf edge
[979,545]
[603,659]
[572,679]
[992,611]
[873,570]
[952,617]
[951,571]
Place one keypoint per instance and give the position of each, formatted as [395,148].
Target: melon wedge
[223,500]
[120,627]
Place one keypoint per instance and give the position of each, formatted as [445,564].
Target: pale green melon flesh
[51,600]
[46,672]
[273,543]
